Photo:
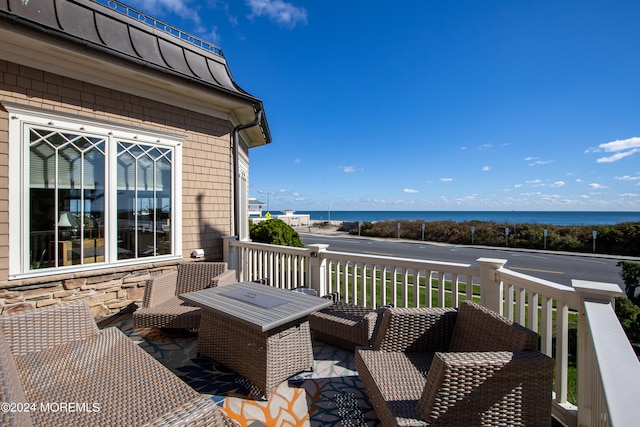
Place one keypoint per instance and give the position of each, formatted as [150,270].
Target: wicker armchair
[56,356]
[161,307]
[465,367]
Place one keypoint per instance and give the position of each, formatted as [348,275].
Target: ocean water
[506,217]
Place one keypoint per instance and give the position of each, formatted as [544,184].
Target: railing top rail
[403,262]
[269,248]
[540,286]
[617,363]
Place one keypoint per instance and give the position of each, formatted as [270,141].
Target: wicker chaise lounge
[465,367]
[58,369]
[161,307]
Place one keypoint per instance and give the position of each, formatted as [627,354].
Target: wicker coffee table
[259,331]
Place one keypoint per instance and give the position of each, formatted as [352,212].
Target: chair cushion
[173,313]
[479,329]
[394,382]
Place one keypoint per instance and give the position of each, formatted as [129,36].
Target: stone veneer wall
[106,291]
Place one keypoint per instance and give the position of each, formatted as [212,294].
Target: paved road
[553,266]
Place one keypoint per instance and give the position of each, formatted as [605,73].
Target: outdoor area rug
[331,395]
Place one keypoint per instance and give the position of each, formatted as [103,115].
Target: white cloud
[627,178]
[629,195]
[529,158]
[278,11]
[596,186]
[349,169]
[410,190]
[535,183]
[621,144]
[557,184]
[617,156]
[485,147]
[466,199]
[485,169]
[621,147]
[446,179]
[541,162]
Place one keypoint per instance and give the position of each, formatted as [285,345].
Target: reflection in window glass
[66,198]
[144,200]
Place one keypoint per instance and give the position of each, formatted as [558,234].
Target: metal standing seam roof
[96,26]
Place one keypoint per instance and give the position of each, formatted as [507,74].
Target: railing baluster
[405,287]
[355,284]
[345,279]
[429,289]
[509,297]
[364,285]
[383,285]
[441,289]
[454,290]
[562,351]
[296,277]
[521,313]
[547,326]
[374,286]
[533,312]
[469,288]
[417,288]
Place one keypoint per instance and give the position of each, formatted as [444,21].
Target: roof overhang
[36,45]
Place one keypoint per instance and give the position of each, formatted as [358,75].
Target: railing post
[229,254]
[490,283]
[318,268]
[596,292]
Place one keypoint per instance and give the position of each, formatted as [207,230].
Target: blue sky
[435,105]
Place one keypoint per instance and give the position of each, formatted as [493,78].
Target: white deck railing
[605,392]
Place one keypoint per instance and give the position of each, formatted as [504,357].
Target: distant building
[288,216]
[255,208]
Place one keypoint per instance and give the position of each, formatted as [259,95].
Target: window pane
[163,203]
[144,201]
[126,205]
[66,199]
[93,245]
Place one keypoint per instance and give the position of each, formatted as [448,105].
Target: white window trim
[243,194]
[19,116]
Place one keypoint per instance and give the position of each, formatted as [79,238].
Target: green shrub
[630,275]
[629,315]
[621,239]
[275,232]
